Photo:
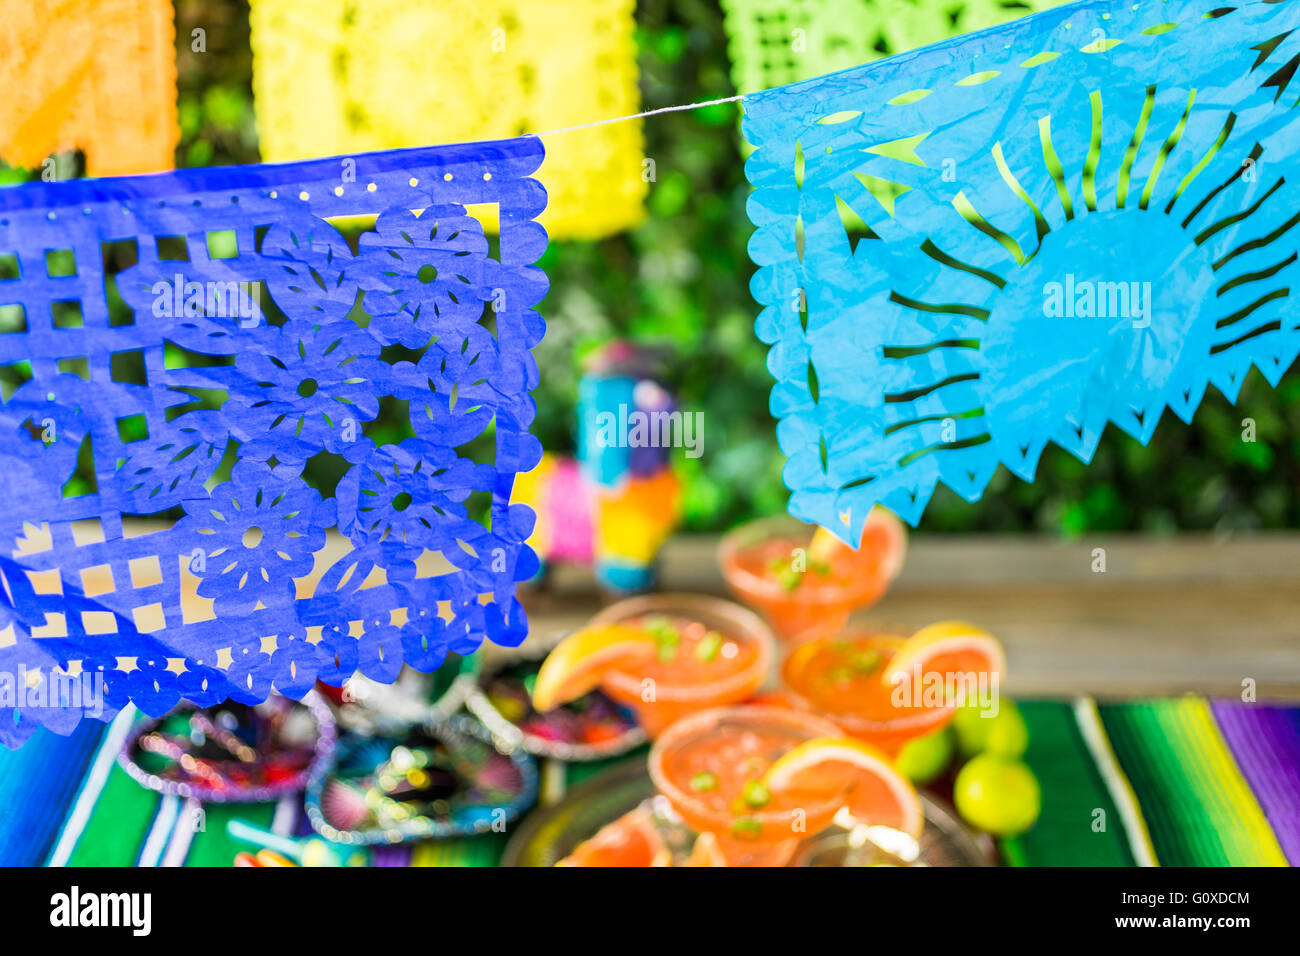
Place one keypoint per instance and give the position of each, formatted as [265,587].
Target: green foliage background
[681,281]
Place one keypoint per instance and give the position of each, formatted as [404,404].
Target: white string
[662,109]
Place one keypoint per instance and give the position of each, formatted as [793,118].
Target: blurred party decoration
[591,727]
[376,707]
[1019,236]
[278,850]
[94,75]
[338,76]
[613,507]
[163,327]
[776,42]
[232,753]
[445,780]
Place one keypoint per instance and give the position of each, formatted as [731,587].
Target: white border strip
[1094,734]
[93,786]
[286,814]
[164,822]
[191,811]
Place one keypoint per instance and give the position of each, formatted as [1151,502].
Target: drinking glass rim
[684,728]
[748,625]
[742,579]
[850,718]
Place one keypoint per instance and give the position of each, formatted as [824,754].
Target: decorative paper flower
[1044,244]
[311,269]
[380,647]
[410,497]
[312,388]
[172,462]
[456,388]
[338,654]
[424,272]
[250,671]
[296,662]
[257,533]
[42,427]
[423,636]
[201,304]
[356,621]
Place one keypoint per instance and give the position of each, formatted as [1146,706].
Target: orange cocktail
[887,689]
[711,767]
[708,652]
[843,678]
[803,579]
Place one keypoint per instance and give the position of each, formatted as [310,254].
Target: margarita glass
[887,689]
[710,652]
[804,580]
[710,767]
[843,679]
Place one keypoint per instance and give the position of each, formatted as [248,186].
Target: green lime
[970,729]
[997,795]
[1003,733]
[923,759]
[1009,735]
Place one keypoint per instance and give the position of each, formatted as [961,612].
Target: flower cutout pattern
[161,470]
[426,273]
[410,497]
[315,389]
[207,343]
[255,535]
[455,390]
[42,427]
[311,274]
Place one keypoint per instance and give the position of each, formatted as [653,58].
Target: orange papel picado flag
[94,75]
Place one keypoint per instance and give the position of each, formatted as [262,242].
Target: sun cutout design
[1019,237]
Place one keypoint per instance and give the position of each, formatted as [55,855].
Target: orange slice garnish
[880,552]
[949,649]
[876,794]
[631,840]
[576,665]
